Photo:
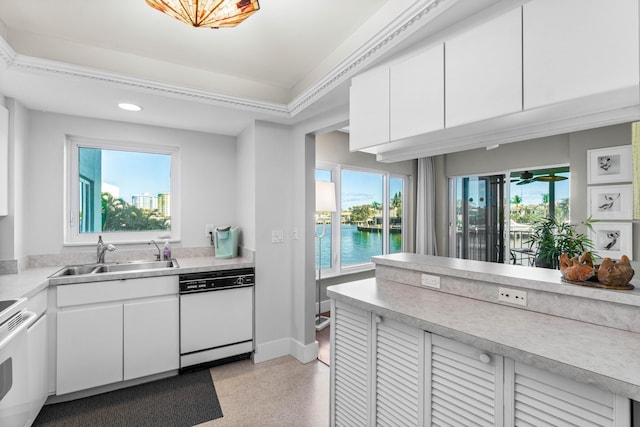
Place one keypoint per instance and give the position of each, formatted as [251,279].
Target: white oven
[14,381]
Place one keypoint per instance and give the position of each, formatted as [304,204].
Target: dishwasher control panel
[214,280]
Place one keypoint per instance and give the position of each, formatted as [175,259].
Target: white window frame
[336,250]
[72,235]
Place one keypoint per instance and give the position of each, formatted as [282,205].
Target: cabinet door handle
[485,358]
[378,319]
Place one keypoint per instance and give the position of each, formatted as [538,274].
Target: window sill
[369,266]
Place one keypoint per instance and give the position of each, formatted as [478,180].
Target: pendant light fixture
[207,13]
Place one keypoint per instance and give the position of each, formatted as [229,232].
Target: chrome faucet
[102,248]
[159,255]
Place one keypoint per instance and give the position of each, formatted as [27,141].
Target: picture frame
[609,164]
[609,202]
[612,239]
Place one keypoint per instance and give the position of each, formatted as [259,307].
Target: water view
[357,247]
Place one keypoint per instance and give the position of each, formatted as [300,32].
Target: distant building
[164,204]
[144,201]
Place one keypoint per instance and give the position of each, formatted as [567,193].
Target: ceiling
[82,57]
[289,61]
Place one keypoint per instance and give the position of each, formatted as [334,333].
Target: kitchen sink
[85,269]
[75,270]
[136,265]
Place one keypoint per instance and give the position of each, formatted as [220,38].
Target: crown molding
[411,20]
[7,54]
[385,40]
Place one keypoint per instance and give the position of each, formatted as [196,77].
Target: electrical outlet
[512,296]
[431,281]
[277,236]
[209,228]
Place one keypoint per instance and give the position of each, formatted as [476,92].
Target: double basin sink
[133,266]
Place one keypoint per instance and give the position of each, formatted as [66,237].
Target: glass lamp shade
[207,13]
[325,196]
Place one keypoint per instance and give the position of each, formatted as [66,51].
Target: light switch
[277,236]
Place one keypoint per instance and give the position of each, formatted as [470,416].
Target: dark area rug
[183,400]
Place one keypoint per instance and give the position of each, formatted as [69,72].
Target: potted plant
[551,238]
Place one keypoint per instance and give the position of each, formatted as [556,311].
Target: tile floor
[279,392]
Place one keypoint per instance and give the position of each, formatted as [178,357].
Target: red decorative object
[612,273]
[573,269]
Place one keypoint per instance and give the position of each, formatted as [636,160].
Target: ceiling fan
[527,177]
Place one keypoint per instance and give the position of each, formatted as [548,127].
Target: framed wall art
[612,239]
[610,164]
[610,202]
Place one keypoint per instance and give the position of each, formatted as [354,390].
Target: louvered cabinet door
[465,385]
[399,372]
[544,399]
[351,362]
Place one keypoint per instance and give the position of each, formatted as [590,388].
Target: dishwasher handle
[220,288]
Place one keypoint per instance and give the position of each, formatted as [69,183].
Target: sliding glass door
[477,229]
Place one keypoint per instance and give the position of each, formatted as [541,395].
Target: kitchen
[266,196]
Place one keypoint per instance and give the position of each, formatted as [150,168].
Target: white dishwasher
[216,316]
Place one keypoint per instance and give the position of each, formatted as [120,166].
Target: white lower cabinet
[385,372]
[150,329]
[399,365]
[351,374]
[104,339]
[464,384]
[544,399]
[89,348]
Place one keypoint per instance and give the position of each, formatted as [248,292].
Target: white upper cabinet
[369,109]
[576,48]
[484,71]
[417,94]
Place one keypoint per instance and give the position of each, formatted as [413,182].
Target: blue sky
[136,173]
[361,188]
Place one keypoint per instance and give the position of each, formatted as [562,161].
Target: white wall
[302,140]
[13,226]
[273,206]
[246,187]
[208,191]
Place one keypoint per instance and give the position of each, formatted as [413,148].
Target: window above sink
[126,192]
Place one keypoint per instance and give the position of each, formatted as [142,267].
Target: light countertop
[29,282]
[539,279]
[586,352]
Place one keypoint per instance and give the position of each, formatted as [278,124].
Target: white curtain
[426,208]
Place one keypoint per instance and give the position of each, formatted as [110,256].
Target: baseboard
[304,353]
[324,306]
[285,347]
[271,350]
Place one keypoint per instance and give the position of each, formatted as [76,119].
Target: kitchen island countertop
[587,334]
[585,352]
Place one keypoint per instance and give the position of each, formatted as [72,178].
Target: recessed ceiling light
[129,107]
